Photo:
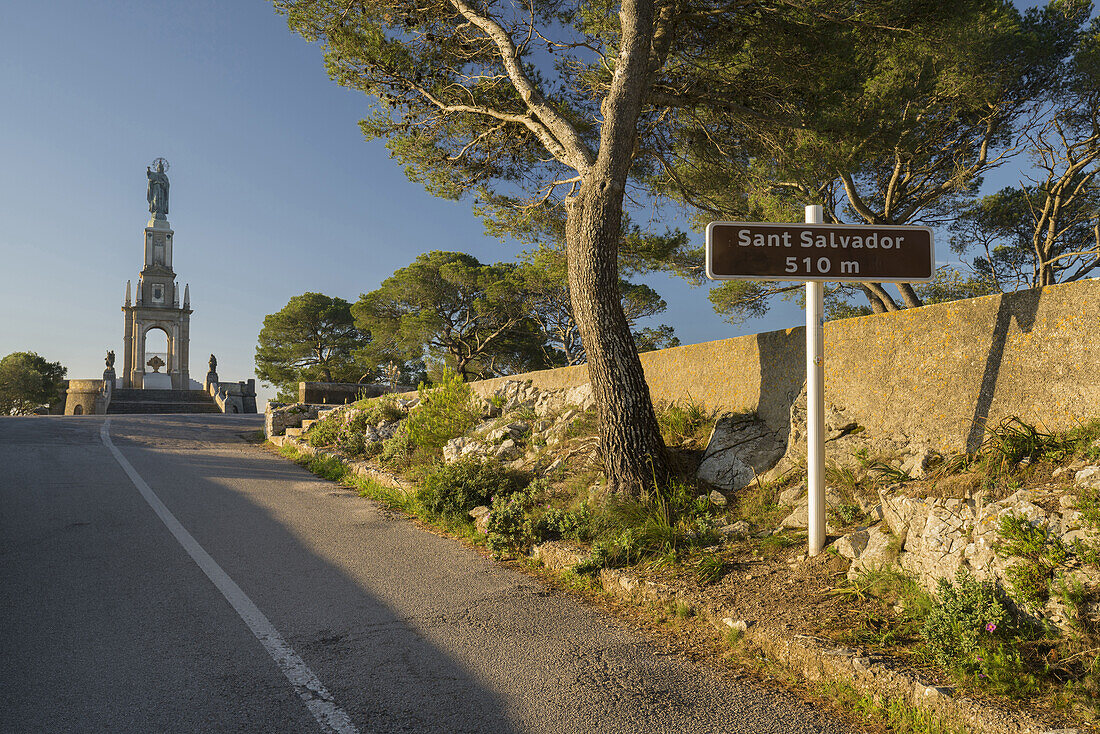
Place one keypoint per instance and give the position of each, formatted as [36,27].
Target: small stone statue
[157,194]
[110,359]
[213,363]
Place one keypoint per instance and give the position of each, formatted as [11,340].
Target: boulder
[507,450]
[792,497]
[920,459]
[740,448]
[452,450]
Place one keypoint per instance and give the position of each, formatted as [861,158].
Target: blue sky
[274,191]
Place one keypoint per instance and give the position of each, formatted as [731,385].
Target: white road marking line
[317,699]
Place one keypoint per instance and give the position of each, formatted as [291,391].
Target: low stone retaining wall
[279,416]
[937,375]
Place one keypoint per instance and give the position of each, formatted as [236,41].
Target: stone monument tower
[157,302]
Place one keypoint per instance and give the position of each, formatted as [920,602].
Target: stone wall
[937,374]
[232,397]
[279,416]
[340,393]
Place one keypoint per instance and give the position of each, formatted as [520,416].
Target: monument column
[127,340]
[157,303]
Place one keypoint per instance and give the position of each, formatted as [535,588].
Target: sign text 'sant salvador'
[764,251]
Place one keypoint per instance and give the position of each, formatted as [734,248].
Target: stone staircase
[161,401]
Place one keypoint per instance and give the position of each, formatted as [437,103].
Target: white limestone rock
[481,515]
[850,546]
[876,552]
[1088,478]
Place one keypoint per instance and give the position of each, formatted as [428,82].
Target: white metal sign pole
[815,402]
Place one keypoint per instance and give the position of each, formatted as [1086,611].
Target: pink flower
[990,627]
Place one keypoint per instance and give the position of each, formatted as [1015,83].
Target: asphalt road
[112,621]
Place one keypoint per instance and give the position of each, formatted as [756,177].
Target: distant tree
[543,272]
[29,382]
[451,307]
[652,338]
[1047,230]
[312,338]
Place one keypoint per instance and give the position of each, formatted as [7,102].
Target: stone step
[129,401]
[307,423]
[293,432]
[149,408]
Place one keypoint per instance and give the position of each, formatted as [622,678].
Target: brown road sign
[832,252]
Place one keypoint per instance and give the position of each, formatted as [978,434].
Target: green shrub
[446,411]
[452,490]
[518,521]
[396,450]
[384,408]
[509,526]
[351,442]
[1039,553]
[962,614]
[326,431]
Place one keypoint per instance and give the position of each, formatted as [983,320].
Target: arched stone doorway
[158,353]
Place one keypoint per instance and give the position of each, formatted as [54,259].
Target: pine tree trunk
[630,439]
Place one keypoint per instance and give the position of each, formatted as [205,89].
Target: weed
[585,424]
[328,467]
[683,610]
[1012,441]
[710,569]
[526,413]
[894,714]
[889,472]
[778,542]
[758,503]
[688,422]
[847,514]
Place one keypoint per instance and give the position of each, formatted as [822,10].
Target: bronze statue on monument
[157,193]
